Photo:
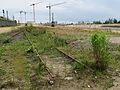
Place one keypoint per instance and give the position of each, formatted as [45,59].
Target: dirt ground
[114,40]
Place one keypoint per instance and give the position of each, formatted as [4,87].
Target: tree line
[109,21]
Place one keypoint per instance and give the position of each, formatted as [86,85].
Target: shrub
[100,50]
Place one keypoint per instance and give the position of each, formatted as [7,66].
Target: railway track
[58,65]
[68,57]
[17,33]
[73,59]
[39,57]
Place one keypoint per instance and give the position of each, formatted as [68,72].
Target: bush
[100,50]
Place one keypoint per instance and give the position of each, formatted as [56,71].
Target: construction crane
[50,7]
[34,9]
[26,15]
[21,16]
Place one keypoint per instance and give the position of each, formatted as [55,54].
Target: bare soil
[115,40]
[57,66]
[116,83]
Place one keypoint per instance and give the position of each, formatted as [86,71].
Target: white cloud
[72,10]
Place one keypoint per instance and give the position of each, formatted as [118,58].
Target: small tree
[99,45]
[115,20]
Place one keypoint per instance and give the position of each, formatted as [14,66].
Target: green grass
[2,72]
[100,50]
[17,58]
[45,41]
[14,55]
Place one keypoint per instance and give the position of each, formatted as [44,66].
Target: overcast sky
[71,11]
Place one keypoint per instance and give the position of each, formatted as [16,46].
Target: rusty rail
[38,55]
[16,34]
[73,59]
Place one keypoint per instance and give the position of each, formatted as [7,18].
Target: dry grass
[8,29]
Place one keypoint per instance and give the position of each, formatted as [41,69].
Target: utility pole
[7,15]
[13,18]
[34,10]
[52,17]
[53,22]
[50,7]
[26,15]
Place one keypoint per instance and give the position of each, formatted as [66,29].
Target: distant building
[7,22]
